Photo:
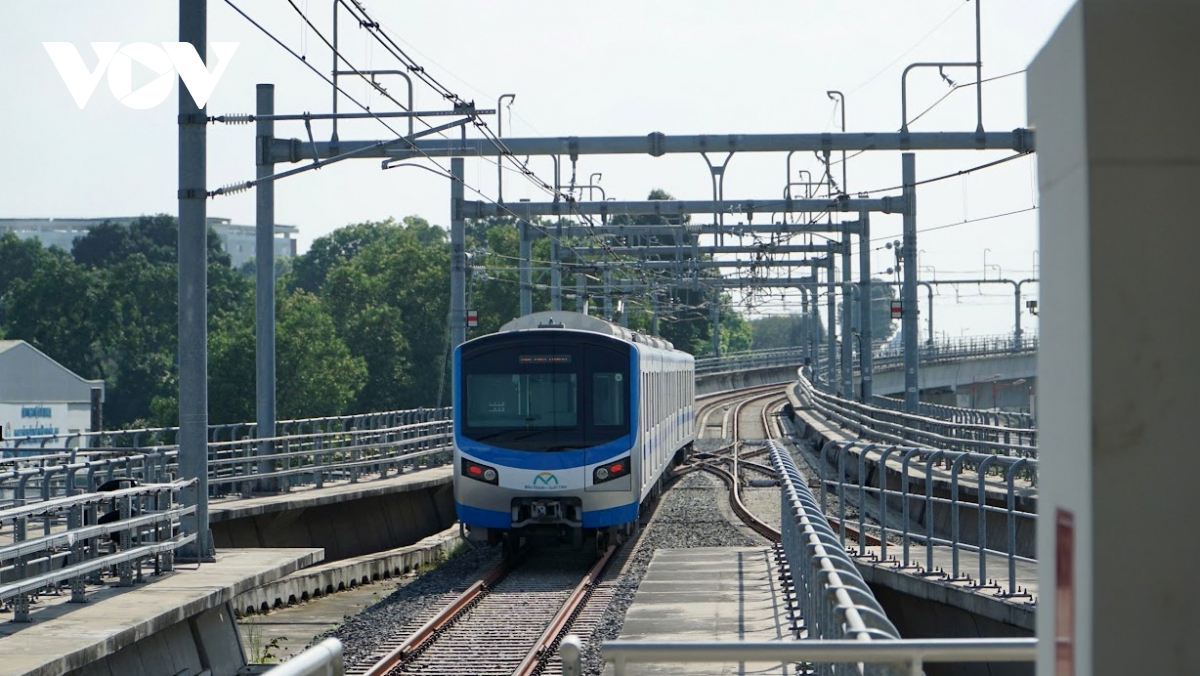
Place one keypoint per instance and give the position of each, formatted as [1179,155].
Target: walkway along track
[509,623]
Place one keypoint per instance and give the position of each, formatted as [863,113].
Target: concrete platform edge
[335,576]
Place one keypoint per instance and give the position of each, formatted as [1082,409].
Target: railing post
[981,538]
[78,552]
[21,603]
[126,567]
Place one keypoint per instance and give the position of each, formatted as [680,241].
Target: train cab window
[608,399]
[522,400]
[557,394]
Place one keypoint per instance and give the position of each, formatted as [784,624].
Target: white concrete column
[1115,99]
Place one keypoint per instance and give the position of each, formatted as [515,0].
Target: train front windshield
[545,395]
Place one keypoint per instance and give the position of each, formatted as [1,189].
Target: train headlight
[478,472]
[613,469]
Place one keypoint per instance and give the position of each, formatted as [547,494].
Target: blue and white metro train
[566,421]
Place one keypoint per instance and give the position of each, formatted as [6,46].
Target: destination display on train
[544,359]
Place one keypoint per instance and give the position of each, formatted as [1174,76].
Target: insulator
[233,188]
[236,118]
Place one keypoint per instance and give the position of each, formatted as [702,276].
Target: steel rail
[447,616]
[739,508]
[548,643]
[732,478]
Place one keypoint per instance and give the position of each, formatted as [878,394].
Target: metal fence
[843,629]
[937,498]
[165,436]
[958,348]
[896,657]
[235,466]
[784,356]
[959,414]
[833,600]
[887,425]
[121,527]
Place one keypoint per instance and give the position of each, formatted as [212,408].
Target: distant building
[39,396]
[238,240]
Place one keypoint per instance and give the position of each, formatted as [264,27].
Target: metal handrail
[932,482]
[234,431]
[237,465]
[882,424]
[834,600]
[895,657]
[960,414]
[323,659]
[147,526]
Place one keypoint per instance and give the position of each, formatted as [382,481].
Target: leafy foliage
[783,331]
[361,318]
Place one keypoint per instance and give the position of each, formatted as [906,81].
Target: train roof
[577,321]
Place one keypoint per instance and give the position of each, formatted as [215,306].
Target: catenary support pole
[193,292]
[831,357]
[526,268]
[929,304]
[458,257]
[607,289]
[865,302]
[846,386]
[264,286]
[805,324]
[716,322]
[908,291]
[814,324]
[654,312]
[555,271]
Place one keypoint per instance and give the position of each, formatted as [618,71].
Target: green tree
[315,373]
[53,310]
[135,340]
[310,270]
[494,281]
[736,334]
[21,257]
[155,237]
[320,376]
[390,302]
[783,331]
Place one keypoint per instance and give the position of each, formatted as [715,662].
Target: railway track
[506,624]
[733,407]
[510,621]
[731,462]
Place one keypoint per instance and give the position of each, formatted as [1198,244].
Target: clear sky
[582,69]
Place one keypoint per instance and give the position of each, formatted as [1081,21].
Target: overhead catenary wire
[365,20]
[414,68]
[360,13]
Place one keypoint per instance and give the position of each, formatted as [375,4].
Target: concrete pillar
[1113,96]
